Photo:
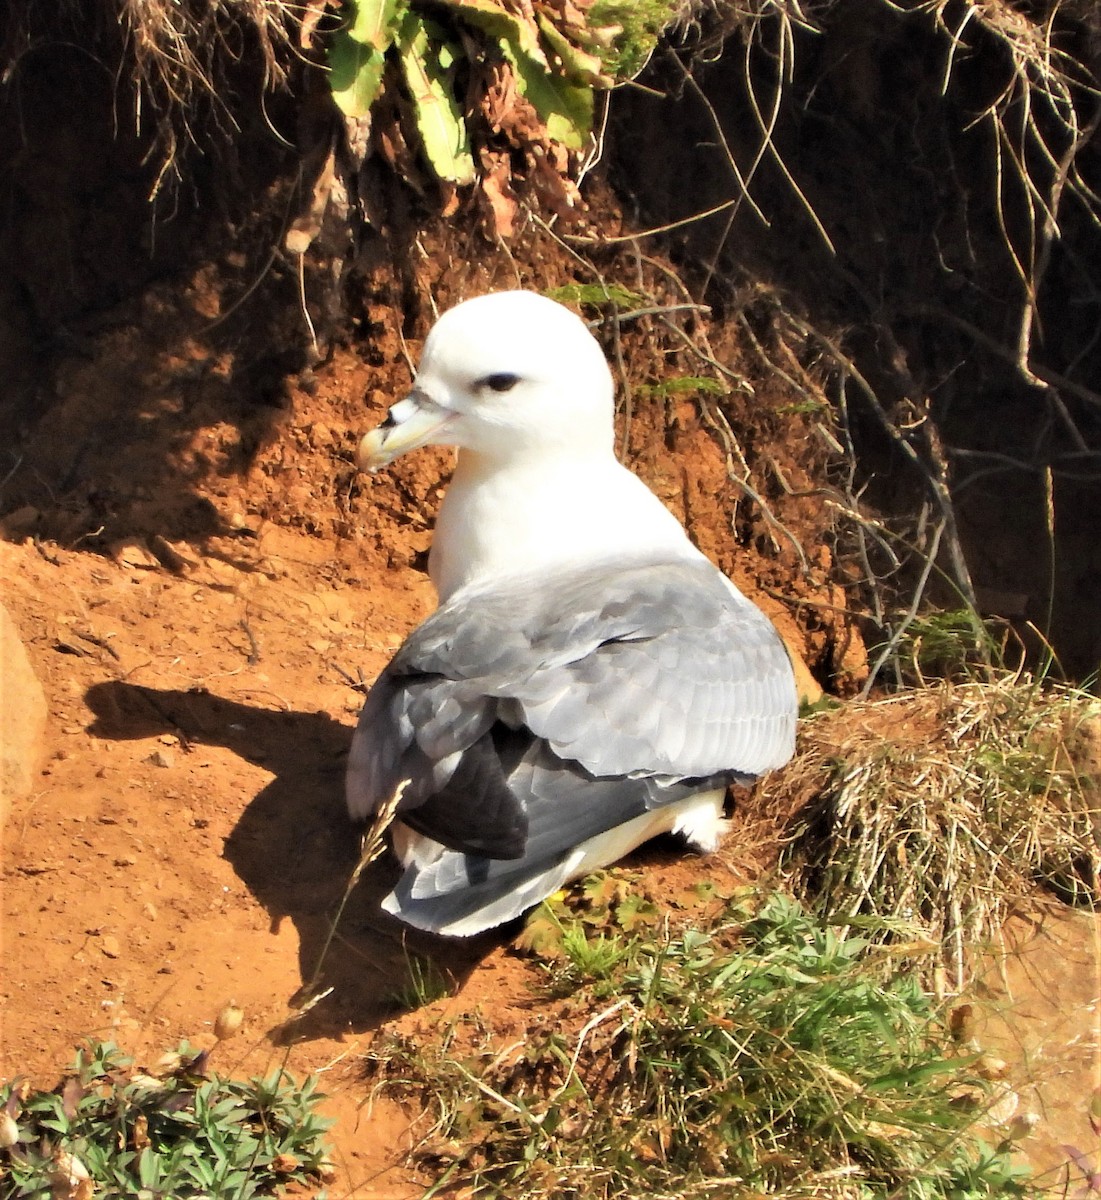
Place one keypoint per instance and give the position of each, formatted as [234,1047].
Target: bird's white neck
[503,518]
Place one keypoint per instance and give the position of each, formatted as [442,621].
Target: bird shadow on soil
[295,848]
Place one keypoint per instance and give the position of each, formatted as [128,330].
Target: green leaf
[357,55]
[600,890]
[355,74]
[635,912]
[423,48]
[577,64]
[491,18]
[376,22]
[149,1168]
[565,108]
[541,936]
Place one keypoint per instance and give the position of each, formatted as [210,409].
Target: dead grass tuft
[939,808]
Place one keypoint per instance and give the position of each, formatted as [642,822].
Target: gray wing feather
[461,894]
[655,668]
[663,667]
[528,719]
[480,906]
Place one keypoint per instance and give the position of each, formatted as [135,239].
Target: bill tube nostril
[410,423]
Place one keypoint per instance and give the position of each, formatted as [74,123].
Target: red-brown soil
[201,582]
[186,842]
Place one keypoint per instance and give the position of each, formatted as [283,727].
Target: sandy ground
[203,586]
[185,844]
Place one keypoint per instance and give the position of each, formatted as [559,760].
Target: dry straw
[939,809]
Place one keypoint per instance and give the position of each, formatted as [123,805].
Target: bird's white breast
[499,520]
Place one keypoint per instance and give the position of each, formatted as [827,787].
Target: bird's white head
[502,376]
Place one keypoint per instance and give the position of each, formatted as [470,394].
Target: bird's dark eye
[503,382]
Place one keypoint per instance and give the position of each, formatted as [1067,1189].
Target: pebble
[22,716]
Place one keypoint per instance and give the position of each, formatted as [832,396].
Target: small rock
[9,1131]
[21,521]
[991,1067]
[1022,1125]
[109,944]
[171,556]
[161,758]
[807,688]
[228,1021]
[134,553]
[69,1177]
[22,716]
[1003,1107]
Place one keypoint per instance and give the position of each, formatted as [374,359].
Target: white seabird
[589,679]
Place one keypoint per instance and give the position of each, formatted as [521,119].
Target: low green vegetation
[768,1053]
[950,644]
[597,295]
[110,1130]
[555,57]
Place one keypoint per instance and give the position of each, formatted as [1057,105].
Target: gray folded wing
[641,675]
[542,715]
[460,892]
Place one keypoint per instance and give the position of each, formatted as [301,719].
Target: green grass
[424,984]
[182,1133]
[763,1055]
[953,644]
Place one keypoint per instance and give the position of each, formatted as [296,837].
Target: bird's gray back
[645,669]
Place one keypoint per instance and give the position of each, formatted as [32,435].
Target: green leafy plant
[115,1131]
[445,53]
[551,70]
[683,385]
[597,295]
[357,54]
[639,24]
[762,1055]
